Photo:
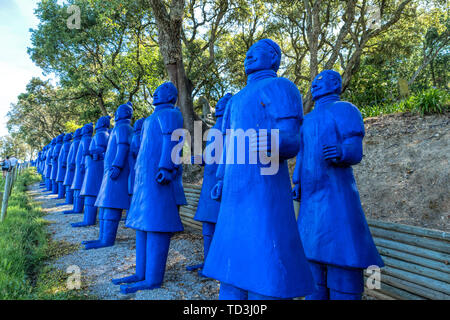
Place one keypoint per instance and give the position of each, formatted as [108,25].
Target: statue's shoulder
[170,119]
[348,117]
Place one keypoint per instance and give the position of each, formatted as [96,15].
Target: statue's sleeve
[123,146]
[169,121]
[70,156]
[350,127]
[283,102]
[220,173]
[298,163]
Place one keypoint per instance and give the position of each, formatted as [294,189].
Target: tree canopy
[123,49]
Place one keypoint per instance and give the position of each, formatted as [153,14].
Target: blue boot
[141,244]
[61,191]
[157,250]
[90,213]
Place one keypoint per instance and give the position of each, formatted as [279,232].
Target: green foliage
[431,101]
[426,102]
[24,249]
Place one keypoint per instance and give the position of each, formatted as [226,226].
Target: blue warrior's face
[324,84]
[259,57]
[165,93]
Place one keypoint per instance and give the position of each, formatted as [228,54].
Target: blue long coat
[80,161]
[208,209]
[154,207]
[55,155]
[62,161]
[114,193]
[48,162]
[95,168]
[71,161]
[331,221]
[256,244]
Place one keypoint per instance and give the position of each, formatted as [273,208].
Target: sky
[16,67]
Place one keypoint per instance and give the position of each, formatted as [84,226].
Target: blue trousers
[336,283]
[230,292]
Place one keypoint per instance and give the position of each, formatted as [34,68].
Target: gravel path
[99,266]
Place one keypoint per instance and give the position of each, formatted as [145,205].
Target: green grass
[425,102]
[25,247]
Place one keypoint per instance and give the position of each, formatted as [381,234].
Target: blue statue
[208,209]
[41,165]
[55,154]
[256,252]
[134,150]
[331,222]
[94,171]
[71,164]
[80,168]
[62,164]
[113,196]
[153,211]
[48,165]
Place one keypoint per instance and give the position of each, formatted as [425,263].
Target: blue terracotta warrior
[256,252]
[42,165]
[95,156]
[208,209]
[153,211]
[80,168]
[71,164]
[48,165]
[62,164]
[331,221]
[134,150]
[55,155]
[113,196]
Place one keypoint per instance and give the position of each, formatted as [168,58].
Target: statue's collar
[163,106]
[121,121]
[260,75]
[326,100]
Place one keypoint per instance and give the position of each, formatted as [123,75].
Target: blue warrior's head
[166,93]
[87,130]
[124,111]
[67,137]
[325,83]
[138,125]
[103,122]
[60,138]
[77,134]
[263,55]
[221,104]
[53,142]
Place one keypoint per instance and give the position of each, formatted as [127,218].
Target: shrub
[430,101]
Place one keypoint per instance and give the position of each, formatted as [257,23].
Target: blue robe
[55,155]
[331,221]
[208,209]
[154,207]
[71,160]
[62,161]
[134,150]
[114,193]
[256,245]
[80,162]
[95,168]
[48,162]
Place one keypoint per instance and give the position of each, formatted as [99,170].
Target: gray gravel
[99,266]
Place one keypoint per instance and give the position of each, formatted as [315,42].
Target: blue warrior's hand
[114,172]
[216,192]
[296,192]
[332,153]
[164,176]
[95,156]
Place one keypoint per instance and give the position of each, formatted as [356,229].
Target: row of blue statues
[252,242]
